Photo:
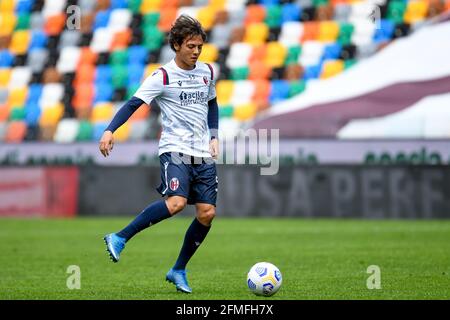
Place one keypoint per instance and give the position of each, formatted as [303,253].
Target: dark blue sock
[153,214]
[195,235]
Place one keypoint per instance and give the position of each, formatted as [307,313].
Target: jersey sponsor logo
[174,184]
[195,97]
[180,83]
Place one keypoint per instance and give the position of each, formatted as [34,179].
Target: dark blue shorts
[190,177]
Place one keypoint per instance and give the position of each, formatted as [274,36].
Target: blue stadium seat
[279,90]
[119,4]
[332,51]
[103,73]
[34,93]
[269,2]
[103,92]
[290,12]
[102,19]
[385,31]
[136,72]
[6,58]
[33,113]
[24,6]
[38,40]
[137,54]
[312,72]
[98,130]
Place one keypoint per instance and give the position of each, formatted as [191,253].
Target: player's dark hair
[185,27]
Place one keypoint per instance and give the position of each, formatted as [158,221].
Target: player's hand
[106,143]
[214,148]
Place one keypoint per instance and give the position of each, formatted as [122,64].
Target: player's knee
[206,216]
[175,205]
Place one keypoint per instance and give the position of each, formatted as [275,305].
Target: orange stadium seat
[168,16]
[310,31]
[87,56]
[4,112]
[16,131]
[121,40]
[262,91]
[169,4]
[255,14]
[258,70]
[85,74]
[55,24]
[141,113]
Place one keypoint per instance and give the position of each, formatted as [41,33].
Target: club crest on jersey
[174,184]
[205,80]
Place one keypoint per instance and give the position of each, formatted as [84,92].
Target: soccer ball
[264,279]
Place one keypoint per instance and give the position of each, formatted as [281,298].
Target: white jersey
[183,97]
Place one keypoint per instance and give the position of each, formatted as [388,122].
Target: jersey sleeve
[151,87]
[212,86]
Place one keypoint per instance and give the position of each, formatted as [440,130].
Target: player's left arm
[213,124]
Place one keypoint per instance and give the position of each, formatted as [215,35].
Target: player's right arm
[150,88]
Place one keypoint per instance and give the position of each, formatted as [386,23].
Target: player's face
[187,54]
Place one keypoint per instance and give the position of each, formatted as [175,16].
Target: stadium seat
[226,111]
[33,114]
[18,96]
[5,109]
[312,72]
[15,132]
[239,55]
[153,38]
[6,58]
[258,70]
[332,51]
[98,129]
[331,68]
[256,33]
[103,92]
[224,90]
[244,112]
[262,90]
[102,112]
[328,31]
[168,15]
[20,77]
[22,22]
[118,57]
[55,24]
[68,60]
[85,131]
[137,54]
[279,91]
[135,74]
[290,12]
[220,35]
[416,11]
[141,113]
[255,13]
[17,114]
[38,40]
[87,56]
[296,87]
[138,130]
[345,33]
[312,52]
[310,31]
[119,20]
[119,76]
[206,16]
[209,53]
[276,55]
[67,130]
[24,6]
[19,42]
[396,11]
[7,23]
[5,75]
[273,16]
[243,92]
[102,40]
[385,31]
[3,95]
[85,74]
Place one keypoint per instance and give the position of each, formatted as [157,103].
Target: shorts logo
[205,80]
[174,184]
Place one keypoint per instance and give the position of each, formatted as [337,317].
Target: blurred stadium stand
[64,85]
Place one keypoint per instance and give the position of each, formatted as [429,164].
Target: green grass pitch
[319,259]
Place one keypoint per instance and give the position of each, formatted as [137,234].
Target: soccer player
[185,91]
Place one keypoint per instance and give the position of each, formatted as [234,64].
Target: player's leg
[204,194]
[175,184]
